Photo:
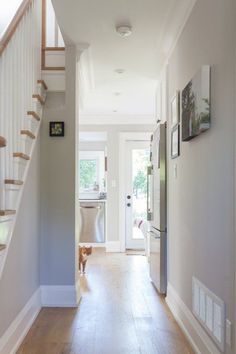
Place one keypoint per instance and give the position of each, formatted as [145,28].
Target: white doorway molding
[123,138]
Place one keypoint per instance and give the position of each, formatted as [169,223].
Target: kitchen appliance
[92,221]
[157,209]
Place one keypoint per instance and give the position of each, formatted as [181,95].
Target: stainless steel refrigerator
[157,209]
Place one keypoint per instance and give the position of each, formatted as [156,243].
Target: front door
[137,160]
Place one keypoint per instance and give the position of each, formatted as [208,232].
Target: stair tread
[42,82]
[15,182]
[34,115]
[39,98]
[28,133]
[7,212]
[3,142]
[2,247]
[21,155]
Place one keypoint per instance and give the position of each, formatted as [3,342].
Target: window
[88,174]
[91,171]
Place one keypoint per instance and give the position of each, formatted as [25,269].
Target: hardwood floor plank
[120,313]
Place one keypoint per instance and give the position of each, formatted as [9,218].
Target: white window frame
[99,156]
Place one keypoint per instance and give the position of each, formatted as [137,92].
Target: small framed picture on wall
[57,129]
[175,142]
[175,109]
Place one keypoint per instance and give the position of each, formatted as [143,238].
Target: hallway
[120,312]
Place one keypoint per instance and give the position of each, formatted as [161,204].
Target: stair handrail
[11,28]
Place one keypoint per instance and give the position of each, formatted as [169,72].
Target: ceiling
[91,25]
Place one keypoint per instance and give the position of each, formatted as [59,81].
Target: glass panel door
[136,196]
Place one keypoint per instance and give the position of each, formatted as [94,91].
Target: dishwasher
[92,222]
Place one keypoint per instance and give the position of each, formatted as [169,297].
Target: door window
[140,160]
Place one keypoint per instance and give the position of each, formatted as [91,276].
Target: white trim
[196,335]
[16,332]
[94,245]
[113,246]
[179,15]
[53,296]
[116,119]
[85,72]
[131,136]
[60,295]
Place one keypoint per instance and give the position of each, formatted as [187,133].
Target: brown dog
[84,252]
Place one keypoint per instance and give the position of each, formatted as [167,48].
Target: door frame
[123,138]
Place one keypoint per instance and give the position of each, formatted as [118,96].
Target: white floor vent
[210,312]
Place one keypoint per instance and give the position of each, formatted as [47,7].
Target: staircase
[22,97]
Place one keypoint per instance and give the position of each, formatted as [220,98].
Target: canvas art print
[196,105]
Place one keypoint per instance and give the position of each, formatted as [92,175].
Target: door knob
[128,204]
[128,197]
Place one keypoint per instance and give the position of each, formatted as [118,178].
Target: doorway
[137,160]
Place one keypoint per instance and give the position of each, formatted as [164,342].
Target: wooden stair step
[3,142]
[21,155]
[2,247]
[7,212]
[27,133]
[14,182]
[34,115]
[42,82]
[39,98]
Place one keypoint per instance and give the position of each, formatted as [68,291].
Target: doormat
[135,253]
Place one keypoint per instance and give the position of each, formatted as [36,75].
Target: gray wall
[57,197]
[20,278]
[58,231]
[201,199]
[112,143]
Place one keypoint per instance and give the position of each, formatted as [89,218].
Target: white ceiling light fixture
[124,31]
[119,71]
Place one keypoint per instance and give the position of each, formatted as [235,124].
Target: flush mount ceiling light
[124,31]
[119,71]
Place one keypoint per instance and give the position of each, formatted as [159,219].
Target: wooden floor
[120,313]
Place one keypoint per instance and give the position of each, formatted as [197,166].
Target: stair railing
[22,95]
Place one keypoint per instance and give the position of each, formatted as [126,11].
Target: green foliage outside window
[88,174]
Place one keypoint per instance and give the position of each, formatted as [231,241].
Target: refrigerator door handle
[150,193]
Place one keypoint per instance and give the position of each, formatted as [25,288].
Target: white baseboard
[94,245]
[113,246]
[15,334]
[60,296]
[53,296]
[194,332]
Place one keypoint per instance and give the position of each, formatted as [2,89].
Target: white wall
[92,145]
[20,278]
[201,199]
[113,132]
